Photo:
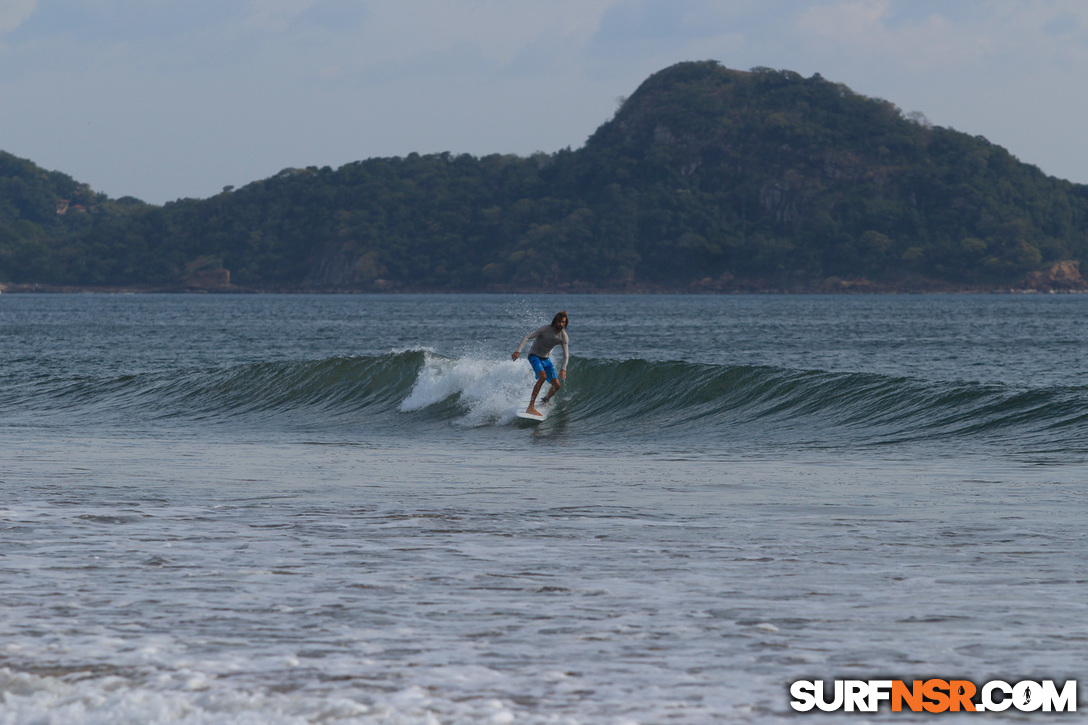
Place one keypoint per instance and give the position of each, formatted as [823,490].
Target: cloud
[124,20]
[1061,24]
[458,60]
[336,14]
[163,98]
[675,22]
[865,29]
[14,12]
[275,15]
[930,37]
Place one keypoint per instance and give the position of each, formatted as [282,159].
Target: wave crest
[418,390]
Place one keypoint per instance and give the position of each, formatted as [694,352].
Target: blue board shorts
[543,365]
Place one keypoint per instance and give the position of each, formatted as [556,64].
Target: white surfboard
[530,416]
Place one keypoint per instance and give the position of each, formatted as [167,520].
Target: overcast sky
[163,99]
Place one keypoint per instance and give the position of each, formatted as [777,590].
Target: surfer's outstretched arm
[534,333]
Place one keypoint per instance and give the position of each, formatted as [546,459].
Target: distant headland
[706,180]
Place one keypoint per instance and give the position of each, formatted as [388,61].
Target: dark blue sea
[322,509]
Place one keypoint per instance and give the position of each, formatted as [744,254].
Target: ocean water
[322,509]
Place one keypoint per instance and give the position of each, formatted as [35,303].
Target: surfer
[544,340]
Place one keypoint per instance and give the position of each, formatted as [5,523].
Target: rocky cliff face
[1062,277]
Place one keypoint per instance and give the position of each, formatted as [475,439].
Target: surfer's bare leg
[555,387]
[536,391]
[556,384]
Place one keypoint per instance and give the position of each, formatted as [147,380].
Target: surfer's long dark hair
[559,317]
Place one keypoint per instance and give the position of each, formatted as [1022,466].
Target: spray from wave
[487,392]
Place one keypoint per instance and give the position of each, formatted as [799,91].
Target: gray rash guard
[546,339]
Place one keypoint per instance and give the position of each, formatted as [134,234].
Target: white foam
[115,700]
[489,390]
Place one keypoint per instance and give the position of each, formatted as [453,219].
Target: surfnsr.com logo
[934,696]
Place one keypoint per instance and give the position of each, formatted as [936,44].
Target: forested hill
[706,178]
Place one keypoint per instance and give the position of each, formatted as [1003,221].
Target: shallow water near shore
[285,509]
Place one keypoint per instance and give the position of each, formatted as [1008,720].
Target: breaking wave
[421,391]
